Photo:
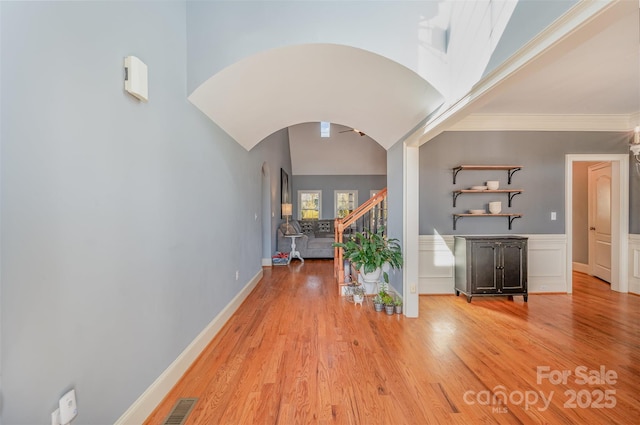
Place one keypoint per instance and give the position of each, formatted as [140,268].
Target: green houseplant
[370,251]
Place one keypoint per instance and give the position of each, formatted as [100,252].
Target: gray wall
[123,223]
[542,155]
[274,150]
[395,205]
[363,184]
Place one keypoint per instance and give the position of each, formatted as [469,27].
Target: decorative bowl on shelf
[478,187]
[476,212]
[493,184]
[495,207]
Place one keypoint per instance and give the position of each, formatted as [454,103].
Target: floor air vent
[180,411]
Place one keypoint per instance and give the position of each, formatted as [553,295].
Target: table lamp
[287,210]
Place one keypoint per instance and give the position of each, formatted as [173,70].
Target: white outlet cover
[68,407]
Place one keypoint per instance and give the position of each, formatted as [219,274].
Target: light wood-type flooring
[297,353]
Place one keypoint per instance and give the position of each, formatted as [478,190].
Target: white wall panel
[546,261]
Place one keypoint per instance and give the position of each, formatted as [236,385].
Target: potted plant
[378,305]
[358,294]
[368,252]
[398,305]
[389,307]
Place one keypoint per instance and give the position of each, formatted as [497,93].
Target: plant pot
[370,280]
[378,307]
[390,309]
[370,287]
[357,298]
[398,309]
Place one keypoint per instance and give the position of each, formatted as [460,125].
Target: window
[345,201]
[309,202]
[325,129]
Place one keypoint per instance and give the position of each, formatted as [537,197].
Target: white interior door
[600,220]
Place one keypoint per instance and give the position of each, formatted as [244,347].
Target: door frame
[619,216]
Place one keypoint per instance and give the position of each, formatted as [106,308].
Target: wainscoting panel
[634,264]
[436,265]
[547,263]
[546,260]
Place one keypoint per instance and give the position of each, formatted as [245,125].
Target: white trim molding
[546,264]
[543,122]
[138,412]
[634,264]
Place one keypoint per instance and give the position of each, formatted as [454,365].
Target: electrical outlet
[237,274]
[68,407]
[412,288]
[55,417]
[553,215]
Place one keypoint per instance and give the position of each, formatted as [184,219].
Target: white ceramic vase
[370,280]
[495,207]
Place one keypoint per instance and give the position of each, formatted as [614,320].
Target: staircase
[368,217]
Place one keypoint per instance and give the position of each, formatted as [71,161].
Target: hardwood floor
[297,353]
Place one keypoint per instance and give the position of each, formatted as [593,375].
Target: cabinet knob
[592,228]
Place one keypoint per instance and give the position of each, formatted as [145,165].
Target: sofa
[316,240]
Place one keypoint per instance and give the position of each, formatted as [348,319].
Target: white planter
[371,280]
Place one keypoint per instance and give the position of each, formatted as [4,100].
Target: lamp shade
[287,209]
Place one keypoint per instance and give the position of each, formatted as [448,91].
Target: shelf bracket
[511,196]
[455,173]
[455,197]
[510,173]
[511,218]
[455,220]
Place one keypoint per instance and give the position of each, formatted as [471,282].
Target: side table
[294,252]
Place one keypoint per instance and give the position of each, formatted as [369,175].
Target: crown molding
[546,122]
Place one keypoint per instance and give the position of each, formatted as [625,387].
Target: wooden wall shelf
[511,193]
[511,169]
[510,217]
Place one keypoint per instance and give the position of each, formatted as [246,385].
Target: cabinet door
[484,259]
[513,266]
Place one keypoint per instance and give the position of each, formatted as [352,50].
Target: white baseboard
[138,412]
[581,267]
[266,262]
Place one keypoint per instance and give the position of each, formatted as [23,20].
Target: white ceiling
[590,76]
[266,92]
[587,79]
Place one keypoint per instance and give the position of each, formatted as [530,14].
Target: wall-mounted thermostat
[135,78]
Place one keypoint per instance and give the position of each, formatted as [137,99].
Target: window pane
[310,205]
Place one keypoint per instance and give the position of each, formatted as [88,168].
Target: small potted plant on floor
[389,307]
[358,294]
[398,305]
[378,305]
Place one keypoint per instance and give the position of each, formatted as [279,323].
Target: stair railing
[372,218]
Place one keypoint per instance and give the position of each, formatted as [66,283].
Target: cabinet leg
[468,298]
[525,297]
[457,293]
